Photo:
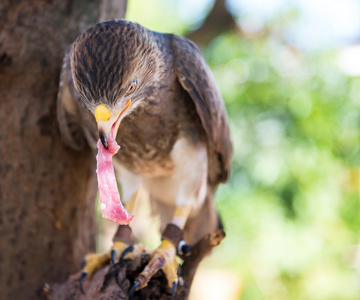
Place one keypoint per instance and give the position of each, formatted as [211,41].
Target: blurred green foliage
[291,207]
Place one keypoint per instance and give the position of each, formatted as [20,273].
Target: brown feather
[176,98]
[197,79]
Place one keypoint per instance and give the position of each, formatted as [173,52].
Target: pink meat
[111,206]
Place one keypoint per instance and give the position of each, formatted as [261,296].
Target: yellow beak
[108,121]
[102,113]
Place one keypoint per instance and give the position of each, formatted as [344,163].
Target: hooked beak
[109,123]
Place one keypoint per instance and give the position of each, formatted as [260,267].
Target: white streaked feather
[187,186]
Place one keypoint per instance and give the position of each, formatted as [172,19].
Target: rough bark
[218,21]
[114,282]
[46,190]
[112,9]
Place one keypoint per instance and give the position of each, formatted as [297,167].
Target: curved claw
[174,288]
[126,251]
[186,249]
[112,256]
[133,289]
[82,278]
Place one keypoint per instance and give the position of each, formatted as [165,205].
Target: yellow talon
[164,259]
[168,251]
[117,249]
[94,261]
[166,245]
[120,246]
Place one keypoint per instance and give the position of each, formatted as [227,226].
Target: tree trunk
[47,191]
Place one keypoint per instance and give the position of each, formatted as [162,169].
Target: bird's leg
[164,257]
[122,248]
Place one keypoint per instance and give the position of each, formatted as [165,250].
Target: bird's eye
[132,87]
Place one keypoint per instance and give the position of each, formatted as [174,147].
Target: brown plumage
[112,51]
[176,115]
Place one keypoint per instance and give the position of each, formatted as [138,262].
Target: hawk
[174,132]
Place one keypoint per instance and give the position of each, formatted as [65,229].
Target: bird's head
[114,65]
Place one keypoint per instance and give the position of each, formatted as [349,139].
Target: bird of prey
[174,132]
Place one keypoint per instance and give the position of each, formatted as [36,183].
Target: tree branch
[219,20]
[114,282]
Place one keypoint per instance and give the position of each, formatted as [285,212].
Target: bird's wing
[68,114]
[197,79]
